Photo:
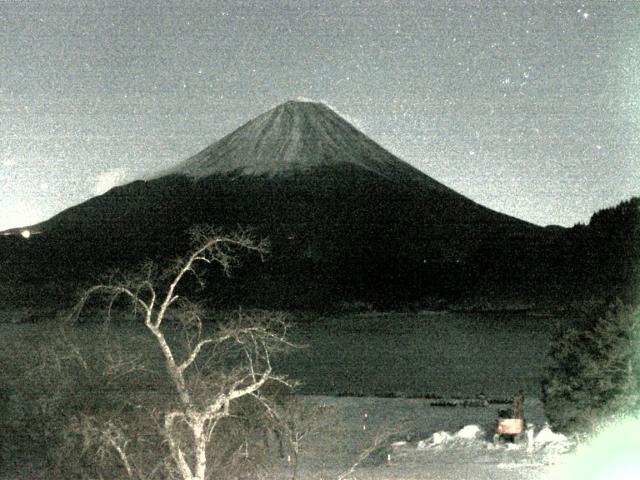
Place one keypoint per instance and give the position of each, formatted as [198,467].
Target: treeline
[605,254]
[338,235]
[598,261]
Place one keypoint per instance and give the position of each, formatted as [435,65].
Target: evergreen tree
[595,371]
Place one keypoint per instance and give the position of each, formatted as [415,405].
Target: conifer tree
[595,371]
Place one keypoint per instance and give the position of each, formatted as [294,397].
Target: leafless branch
[252,337]
[378,441]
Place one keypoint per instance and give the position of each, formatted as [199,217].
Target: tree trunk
[294,476]
[200,444]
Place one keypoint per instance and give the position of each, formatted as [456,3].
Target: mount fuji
[346,218]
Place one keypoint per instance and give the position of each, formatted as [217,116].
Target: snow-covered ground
[428,442]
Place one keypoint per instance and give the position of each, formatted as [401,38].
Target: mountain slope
[345,217]
[298,136]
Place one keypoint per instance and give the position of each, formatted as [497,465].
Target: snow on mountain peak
[295,136]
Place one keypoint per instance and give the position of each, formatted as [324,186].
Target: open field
[334,448]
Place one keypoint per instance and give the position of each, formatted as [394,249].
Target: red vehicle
[511,423]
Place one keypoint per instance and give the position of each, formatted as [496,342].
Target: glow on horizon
[19,214]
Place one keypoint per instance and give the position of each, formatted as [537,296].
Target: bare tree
[213,369]
[296,420]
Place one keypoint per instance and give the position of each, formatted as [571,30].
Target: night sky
[528,107]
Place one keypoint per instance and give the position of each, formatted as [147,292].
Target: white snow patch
[438,438]
[469,432]
[546,436]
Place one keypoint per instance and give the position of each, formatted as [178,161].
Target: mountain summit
[294,137]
